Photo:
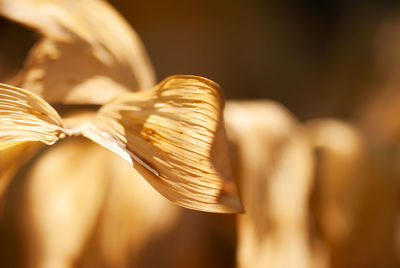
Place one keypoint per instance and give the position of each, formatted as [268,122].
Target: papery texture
[87,53]
[172,134]
[168,135]
[26,117]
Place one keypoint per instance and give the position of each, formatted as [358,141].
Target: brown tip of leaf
[229,198]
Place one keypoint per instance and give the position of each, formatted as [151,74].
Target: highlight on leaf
[167,133]
[26,117]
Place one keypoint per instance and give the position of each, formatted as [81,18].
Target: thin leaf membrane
[168,135]
[26,117]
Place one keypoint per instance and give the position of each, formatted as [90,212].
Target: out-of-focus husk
[378,115]
[341,175]
[133,214]
[87,52]
[275,170]
[63,192]
[11,159]
[354,200]
[89,211]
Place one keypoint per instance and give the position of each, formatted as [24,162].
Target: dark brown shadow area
[198,240]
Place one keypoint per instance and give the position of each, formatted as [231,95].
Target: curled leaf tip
[168,134]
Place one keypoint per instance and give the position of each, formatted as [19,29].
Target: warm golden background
[315,57]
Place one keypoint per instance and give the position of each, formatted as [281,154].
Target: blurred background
[318,59]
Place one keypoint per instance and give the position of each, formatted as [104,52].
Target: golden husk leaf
[168,135]
[172,135]
[26,117]
[87,53]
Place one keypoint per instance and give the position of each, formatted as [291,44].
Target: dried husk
[354,198]
[26,117]
[63,191]
[275,170]
[92,211]
[87,52]
[11,159]
[79,201]
[132,215]
[341,177]
[168,135]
